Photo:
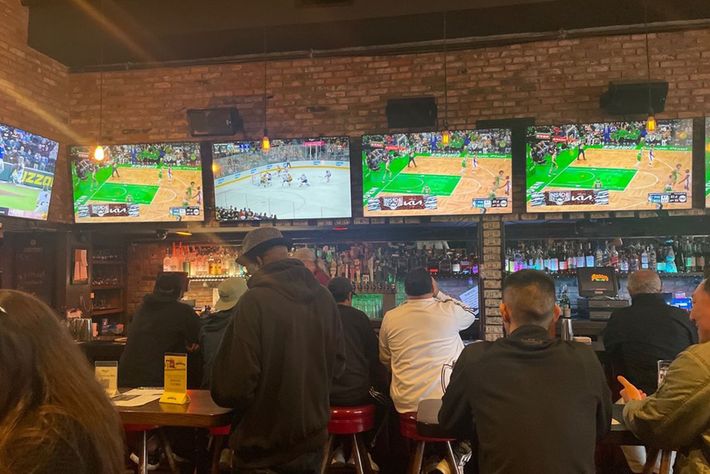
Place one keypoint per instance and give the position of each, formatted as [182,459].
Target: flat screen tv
[298,178]
[612,166]
[27,163]
[707,162]
[157,182]
[416,174]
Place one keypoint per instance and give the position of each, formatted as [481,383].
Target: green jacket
[678,414]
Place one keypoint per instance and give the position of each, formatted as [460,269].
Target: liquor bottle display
[203,261]
[673,255]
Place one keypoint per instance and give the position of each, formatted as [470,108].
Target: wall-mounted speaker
[416,112]
[634,98]
[209,122]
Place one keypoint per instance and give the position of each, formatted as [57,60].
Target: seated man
[649,330]
[536,404]
[419,341]
[678,415]
[362,365]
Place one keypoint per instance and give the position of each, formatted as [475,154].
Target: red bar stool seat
[350,422]
[408,429]
[218,441]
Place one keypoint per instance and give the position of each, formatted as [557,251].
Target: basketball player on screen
[639,155]
[160,175]
[651,155]
[388,171]
[170,173]
[188,194]
[94,181]
[668,188]
[598,184]
[676,174]
[506,185]
[114,169]
[498,182]
[411,161]
[686,181]
[474,161]
[553,161]
[580,151]
[426,190]
[463,164]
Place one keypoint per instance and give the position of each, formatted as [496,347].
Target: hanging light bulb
[651,122]
[265,143]
[445,138]
[99,153]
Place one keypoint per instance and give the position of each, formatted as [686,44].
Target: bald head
[644,282]
[529,298]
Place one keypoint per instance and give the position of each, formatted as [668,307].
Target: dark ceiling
[129,33]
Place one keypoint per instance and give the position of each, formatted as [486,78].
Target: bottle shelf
[625,274]
[107,287]
[102,262]
[106,311]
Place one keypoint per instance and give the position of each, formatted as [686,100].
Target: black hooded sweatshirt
[276,363]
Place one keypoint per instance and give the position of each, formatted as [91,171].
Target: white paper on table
[137,397]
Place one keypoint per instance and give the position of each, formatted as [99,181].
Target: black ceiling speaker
[634,98]
[209,122]
[416,112]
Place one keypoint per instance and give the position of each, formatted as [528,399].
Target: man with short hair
[277,360]
[362,364]
[649,330]
[678,414]
[308,257]
[536,404]
[419,341]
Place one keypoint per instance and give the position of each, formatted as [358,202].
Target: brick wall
[33,94]
[551,80]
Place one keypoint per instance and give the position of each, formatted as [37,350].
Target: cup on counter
[663,366]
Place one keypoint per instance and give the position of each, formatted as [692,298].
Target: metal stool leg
[168,450]
[357,455]
[364,454]
[416,464]
[217,443]
[327,454]
[452,458]
[143,461]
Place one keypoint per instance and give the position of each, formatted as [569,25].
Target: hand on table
[629,392]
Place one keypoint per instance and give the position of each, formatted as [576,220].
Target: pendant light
[99,154]
[265,142]
[446,134]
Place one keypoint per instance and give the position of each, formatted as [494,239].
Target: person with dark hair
[362,364]
[419,341]
[161,324]
[277,361]
[677,414]
[535,404]
[55,418]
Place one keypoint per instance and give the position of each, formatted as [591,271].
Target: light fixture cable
[446,135]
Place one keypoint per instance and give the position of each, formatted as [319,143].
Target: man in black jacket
[535,404]
[649,330]
[277,360]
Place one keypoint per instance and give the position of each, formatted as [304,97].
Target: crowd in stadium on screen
[168,154]
[245,214]
[230,159]
[29,150]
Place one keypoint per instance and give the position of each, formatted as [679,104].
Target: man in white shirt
[419,341]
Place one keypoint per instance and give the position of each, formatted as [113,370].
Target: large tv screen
[27,163]
[296,179]
[416,174]
[707,162]
[160,182]
[613,166]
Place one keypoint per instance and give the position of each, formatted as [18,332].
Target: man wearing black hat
[362,363]
[277,361]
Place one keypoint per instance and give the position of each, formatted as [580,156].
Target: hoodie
[161,324]
[211,334]
[276,363]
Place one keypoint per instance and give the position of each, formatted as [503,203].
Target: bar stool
[219,435]
[351,422]
[143,455]
[408,429]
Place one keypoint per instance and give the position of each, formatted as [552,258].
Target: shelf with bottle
[678,256]
[203,262]
[106,256]
[376,267]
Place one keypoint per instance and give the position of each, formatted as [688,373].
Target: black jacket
[535,404]
[160,325]
[276,363]
[361,359]
[213,328]
[649,330]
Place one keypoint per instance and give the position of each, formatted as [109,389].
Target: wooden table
[619,434]
[201,412]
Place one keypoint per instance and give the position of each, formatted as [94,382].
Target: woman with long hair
[54,415]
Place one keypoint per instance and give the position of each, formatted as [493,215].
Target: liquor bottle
[590,257]
[553,262]
[509,261]
[670,261]
[614,257]
[580,261]
[474,264]
[445,265]
[645,259]
[690,258]
[562,258]
[699,258]
[456,264]
[633,257]
[606,255]
[571,259]
[599,256]
[623,263]
[518,260]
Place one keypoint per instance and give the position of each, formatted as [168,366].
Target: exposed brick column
[492,275]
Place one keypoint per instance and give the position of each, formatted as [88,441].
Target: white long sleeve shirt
[419,342]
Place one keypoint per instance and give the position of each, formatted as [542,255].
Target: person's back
[650,330]
[161,324]
[419,342]
[361,357]
[276,363]
[535,404]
